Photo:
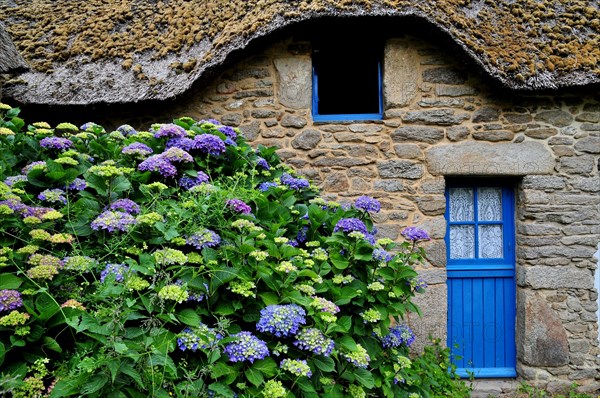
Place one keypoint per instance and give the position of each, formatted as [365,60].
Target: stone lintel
[482,158]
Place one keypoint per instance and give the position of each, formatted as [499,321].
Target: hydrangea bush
[181,262]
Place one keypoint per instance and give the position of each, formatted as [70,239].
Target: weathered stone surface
[556,118]
[590,127]
[440,117]
[431,205]
[388,185]
[365,128]
[435,253]
[592,117]
[308,139]
[577,165]
[253,93]
[542,277]
[457,133]
[444,75]
[295,81]
[430,135]
[518,118]
[486,114]
[435,301]
[277,132]
[479,158]
[349,137]
[586,184]
[400,87]
[560,140]
[542,339]
[435,226]
[541,133]
[336,182]
[588,144]
[400,169]
[263,113]
[251,130]
[232,119]
[435,185]
[454,91]
[441,103]
[248,73]
[407,151]
[433,276]
[293,121]
[543,182]
[493,135]
[341,162]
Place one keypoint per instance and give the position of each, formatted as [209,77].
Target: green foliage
[147,297]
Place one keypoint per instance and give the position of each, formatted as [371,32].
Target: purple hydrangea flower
[159,164]
[228,131]
[125,205]
[53,195]
[239,206]
[189,182]
[312,339]
[380,254]
[210,144]
[25,170]
[12,180]
[137,149]
[170,130]
[400,335]
[367,203]
[294,183]
[418,283]
[175,154]
[262,162]
[213,121]
[112,221]
[56,143]
[185,143]
[349,225]
[230,142]
[281,320]
[246,347]
[118,270]
[203,238]
[10,300]
[414,234]
[87,125]
[126,129]
[78,184]
[302,234]
[264,187]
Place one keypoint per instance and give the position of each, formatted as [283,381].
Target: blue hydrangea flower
[137,149]
[175,154]
[187,182]
[10,300]
[126,205]
[314,340]
[294,183]
[118,270]
[228,131]
[263,163]
[400,335]
[210,144]
[158,164]
[203,238]
[264,187]
[12,180]
[239,206]
[201,337]
[246,347]
[302,234]
[298,367]
[185,143]
[34,165]
[367,203]
[380,254]
[126,129]
[78,184]
[414,234]
[56,143]
[53,195]
[281,320]
[112,221]
[170,130]
[349,225]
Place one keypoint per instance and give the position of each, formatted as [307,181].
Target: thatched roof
[90,51]
[10,59]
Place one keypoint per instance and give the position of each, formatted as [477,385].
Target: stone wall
[442,119]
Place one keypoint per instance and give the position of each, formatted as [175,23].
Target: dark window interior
[348,76]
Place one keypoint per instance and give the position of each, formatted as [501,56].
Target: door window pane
[462,241]
[490,241]
[461,204]
[489,204]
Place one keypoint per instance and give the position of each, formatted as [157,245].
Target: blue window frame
[480,242]
[347,80]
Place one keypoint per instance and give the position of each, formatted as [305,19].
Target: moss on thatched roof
[130,50]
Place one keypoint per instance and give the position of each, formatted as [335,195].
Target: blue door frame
[481,287]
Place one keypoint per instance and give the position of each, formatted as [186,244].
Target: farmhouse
[478,121]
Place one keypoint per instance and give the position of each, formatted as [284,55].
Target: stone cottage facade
[446,132]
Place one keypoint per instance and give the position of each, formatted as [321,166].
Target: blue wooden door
[481,278]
